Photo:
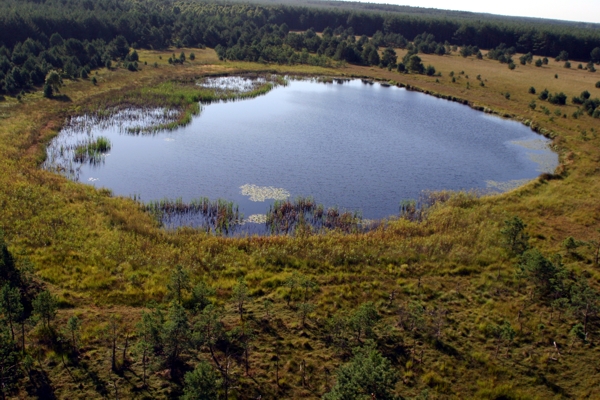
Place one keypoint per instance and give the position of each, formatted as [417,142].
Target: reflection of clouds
[92,179]
[169,139]
[262,193]
[507,185]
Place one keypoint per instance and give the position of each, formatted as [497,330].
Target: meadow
[105,258]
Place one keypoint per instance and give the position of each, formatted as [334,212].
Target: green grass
[103,255]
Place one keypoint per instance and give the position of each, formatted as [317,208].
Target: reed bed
[288,216]
[92,151]
[417,210]
[220,217]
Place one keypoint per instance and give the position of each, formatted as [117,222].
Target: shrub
[531,90]
[507,95]
[543,95]
[511,65]
[563,56]
[48,92]
[538,63]
[598,84]
[567,65]
[558,98]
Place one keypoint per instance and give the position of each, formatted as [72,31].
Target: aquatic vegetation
[286,216]
[256,219]
[416,210]
[92,151]
[226,84]
[219,216]
[262,193]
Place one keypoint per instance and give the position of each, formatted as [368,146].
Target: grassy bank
[103,256]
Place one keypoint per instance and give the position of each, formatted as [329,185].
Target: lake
[354,145]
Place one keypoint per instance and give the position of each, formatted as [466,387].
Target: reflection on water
[357,146]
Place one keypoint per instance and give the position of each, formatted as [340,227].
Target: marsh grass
[303,213]
[220,216]
[92,151]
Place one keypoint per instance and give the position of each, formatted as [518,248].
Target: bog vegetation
[456,296]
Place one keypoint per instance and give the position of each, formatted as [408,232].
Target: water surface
[352,145]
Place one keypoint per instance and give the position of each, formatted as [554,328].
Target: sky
[571,10]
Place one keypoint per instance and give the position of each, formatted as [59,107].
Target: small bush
[531,90]
[567,65]
[598,84]
[507,95]
[558,98]
[511,66]
[538,63]
[48,92]
[544,95]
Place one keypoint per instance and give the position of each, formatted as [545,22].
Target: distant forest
[75,36]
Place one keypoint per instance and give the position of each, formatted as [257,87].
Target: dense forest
[76,36]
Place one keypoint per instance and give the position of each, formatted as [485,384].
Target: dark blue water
[353,145]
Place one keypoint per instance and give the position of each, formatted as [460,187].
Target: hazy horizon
[574,10]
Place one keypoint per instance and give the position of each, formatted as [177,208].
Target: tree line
[76,36]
